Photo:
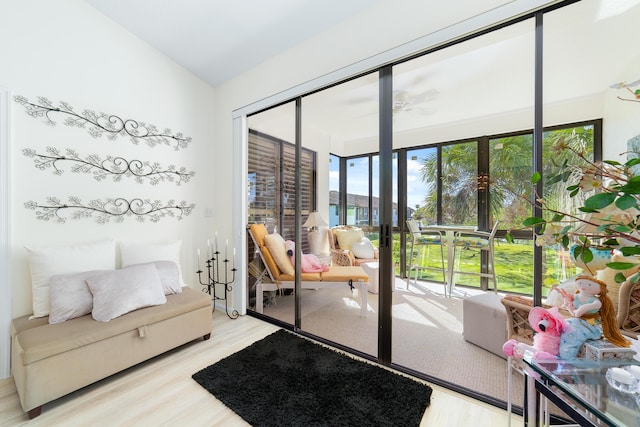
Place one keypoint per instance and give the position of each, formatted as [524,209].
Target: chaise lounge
[336,277]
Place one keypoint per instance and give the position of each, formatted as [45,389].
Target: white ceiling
[218,40]
[480,85]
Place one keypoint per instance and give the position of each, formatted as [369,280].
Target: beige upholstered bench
[51,360]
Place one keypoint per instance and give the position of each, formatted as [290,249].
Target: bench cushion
[337,273]
[39,339]
[344,274]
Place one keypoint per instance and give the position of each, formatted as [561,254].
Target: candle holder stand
[212,279]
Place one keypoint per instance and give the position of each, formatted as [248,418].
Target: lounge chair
[348,278]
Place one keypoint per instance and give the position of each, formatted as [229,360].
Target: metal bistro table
[586,390]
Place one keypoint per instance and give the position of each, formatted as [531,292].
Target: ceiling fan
[403,101]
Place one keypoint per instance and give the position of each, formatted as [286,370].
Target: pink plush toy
[549,325]
[310,262]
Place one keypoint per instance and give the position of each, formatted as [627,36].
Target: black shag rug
[286,380]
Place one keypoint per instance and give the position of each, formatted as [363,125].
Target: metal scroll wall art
[116,167]
[99,124]
[110,209]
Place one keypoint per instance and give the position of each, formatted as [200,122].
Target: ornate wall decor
[103,211]
[635,93]
[115,167]
[100,124]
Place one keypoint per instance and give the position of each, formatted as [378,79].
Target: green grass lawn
[513,261]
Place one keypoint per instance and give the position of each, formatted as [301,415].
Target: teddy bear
[549,325]
[310,262]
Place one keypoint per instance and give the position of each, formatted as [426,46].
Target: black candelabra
[213,279]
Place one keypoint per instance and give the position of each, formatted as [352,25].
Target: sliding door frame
[509,14]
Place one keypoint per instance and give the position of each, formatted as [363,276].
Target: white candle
[233,263]
[198,251]
[216,241]
[209,249]
[226,246]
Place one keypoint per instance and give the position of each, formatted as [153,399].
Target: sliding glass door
[448,138]
[271,196]
[444,104]
[340,124]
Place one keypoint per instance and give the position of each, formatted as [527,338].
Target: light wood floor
[161,391]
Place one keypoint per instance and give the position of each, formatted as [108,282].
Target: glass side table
[592,393]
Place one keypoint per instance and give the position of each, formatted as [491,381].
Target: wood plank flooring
[161,392]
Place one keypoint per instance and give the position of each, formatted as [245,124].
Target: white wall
[67,51]
[622,118]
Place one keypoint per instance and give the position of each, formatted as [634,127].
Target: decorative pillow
[118,292]
[169,276]
[70,296]
[131,254]
[47,261]
[347,237]
[363,248]
[278,251]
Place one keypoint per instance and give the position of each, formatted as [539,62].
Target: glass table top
[608,389]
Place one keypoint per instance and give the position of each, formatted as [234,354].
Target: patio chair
[421,241]
[629,309]
[349,278]
[342,241]
[480,241]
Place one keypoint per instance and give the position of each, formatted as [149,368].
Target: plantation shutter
[272,173]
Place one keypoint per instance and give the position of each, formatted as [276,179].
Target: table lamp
[318,242]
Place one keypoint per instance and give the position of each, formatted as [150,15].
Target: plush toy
[556,298]
[310,262]
[549,326]
[593,316]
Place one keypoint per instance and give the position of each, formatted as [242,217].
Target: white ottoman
[371,268]
[484,322]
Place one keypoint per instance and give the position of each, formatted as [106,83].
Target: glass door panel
[340,124]
[459,178]
[358,191]
[603,32]
[422,206]
[445,102]
[510,169]
[271,198]
[334,190]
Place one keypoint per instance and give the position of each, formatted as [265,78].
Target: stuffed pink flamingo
[549,326]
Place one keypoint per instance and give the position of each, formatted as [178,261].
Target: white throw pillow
[137,253]
[278,251]
[363,248]
[169,276]
[70,296]
[121,291]
[47,261]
